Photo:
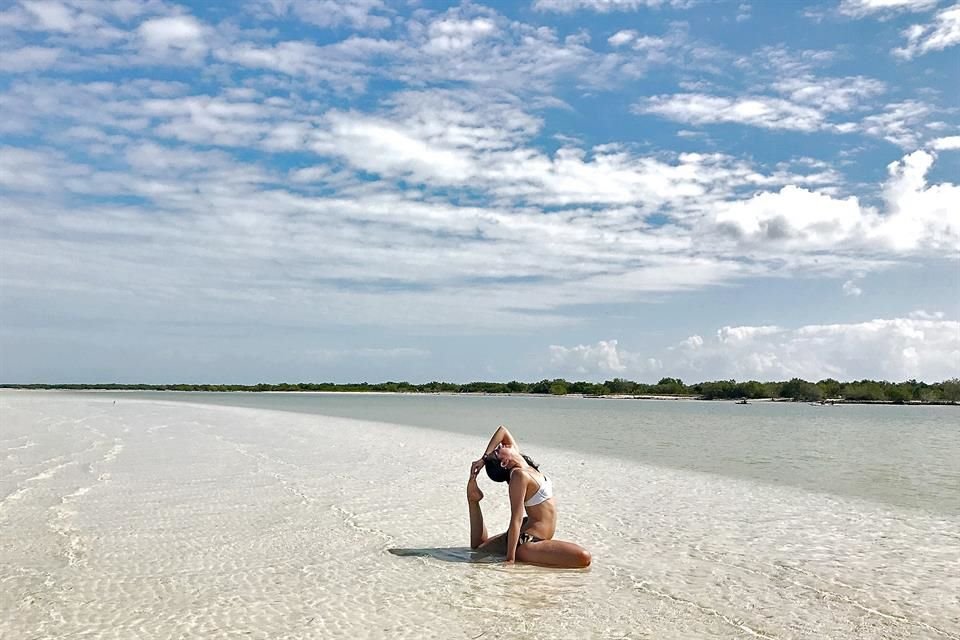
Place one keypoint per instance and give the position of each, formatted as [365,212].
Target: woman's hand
[475,467]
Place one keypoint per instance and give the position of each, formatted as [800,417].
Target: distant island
[824,391]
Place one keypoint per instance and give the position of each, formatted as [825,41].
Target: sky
[367,190]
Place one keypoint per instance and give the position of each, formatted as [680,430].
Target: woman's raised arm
[500,436]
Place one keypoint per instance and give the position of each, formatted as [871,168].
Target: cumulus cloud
[759,111]
[862,8]
[622,37]
[179,36]
[381,147]
[441,138]
[832,94]
[850,288]
[452,34]
[605,6]
[602,356]
[919,214]
[601,360]
[916,216]
[942,33]
[27,59]
[895,349]
[900,123]
[358,14]
[808,106]
[949,143]
[923,346]
[51,15]
[792,214]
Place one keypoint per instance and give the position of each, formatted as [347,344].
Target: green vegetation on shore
[911,391]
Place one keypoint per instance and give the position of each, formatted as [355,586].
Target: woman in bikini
[530,538]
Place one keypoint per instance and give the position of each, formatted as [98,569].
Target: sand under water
[157,519]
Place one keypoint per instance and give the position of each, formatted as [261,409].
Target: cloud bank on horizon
[334,190]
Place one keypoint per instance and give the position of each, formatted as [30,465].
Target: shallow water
[906,456]
[170,520]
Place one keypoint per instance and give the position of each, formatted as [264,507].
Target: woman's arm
[518,489]
[500,436]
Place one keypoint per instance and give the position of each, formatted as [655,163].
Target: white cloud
[601,357]
[919,215]
[599,361]
[893,349]
[175,36]
[793,215]
[380,146]
[731,335]
[830,94]
[850,288]
[452,34]
[924,346]
[341,65]
[420,190]
[437,139]
[759,111]
[53,16]
[942,33]
[463,46]
[82,25]
[809,101]
[772,63]
[27,59]
[622,37]
[920,314]
[899,124]
[605,6]
[949,143]
[861,8]
[358,14]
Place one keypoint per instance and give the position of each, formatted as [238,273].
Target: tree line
[911,391]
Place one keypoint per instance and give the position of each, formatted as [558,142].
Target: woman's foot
[473,491]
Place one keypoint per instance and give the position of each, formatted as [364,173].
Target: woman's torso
[541,517]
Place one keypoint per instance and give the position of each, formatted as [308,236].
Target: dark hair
[499,474]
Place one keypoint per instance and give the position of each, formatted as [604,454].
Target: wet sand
[167,520]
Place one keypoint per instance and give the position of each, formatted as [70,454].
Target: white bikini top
[544,493]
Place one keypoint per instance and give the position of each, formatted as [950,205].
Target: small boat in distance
[742,402]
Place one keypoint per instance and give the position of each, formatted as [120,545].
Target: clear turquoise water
[904,456]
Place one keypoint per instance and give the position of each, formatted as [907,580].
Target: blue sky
[324,190]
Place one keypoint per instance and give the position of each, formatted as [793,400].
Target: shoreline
[670,398]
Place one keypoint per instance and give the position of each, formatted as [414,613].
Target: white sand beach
[155,519]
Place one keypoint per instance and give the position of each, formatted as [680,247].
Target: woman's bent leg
[497,544]
[554,553]
[478,530]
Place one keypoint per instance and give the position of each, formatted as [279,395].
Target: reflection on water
[906,456]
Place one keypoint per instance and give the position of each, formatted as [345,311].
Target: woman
[530,538]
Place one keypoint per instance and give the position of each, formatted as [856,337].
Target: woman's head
[495,471]
[502,460]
